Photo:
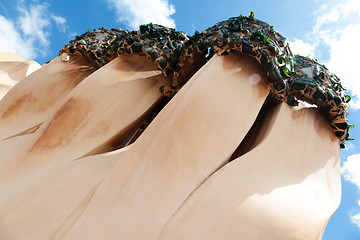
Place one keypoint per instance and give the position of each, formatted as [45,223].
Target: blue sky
[329,30]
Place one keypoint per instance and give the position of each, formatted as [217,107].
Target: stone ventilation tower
[153,134]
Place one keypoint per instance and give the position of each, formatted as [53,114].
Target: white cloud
[336,12]
[351,172]
[325,15]
[12,41]
[351,169]
[60,23]
[28,34]
[338,27]
[34,23]
[137,12]
[356,220]
[302,48]
[344,59]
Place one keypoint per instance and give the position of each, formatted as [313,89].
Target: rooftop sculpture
[291,78]
[154,134]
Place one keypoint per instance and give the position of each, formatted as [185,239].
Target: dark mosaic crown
[291,78]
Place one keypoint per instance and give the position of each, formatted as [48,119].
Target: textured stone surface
[76,163]
[13,69]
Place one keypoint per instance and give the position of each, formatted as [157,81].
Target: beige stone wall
[64,173]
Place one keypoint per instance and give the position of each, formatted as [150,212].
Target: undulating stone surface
[285,190]
[174,181]
[113,146]
[13,69]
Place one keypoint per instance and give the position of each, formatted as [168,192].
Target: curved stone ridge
[251,37]
[94,44]
[313,83]
[161,44]
[291,78]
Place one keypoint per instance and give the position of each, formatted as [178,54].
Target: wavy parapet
[291,78]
